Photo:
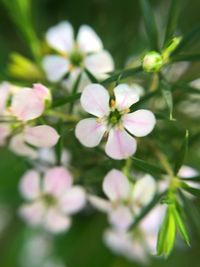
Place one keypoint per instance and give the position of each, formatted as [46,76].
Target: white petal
[89,132]
[144,191]
[125,96]
[55,67]
[18,146]
[26,105]
[95,100]
[187,172]
[120,144]
[5,131]
[41,136]
[121,218]
[73,200]
[99,63]
[30,185]
[61,37]
[100,203]
[88,41]
[57,181]
[42,91]
[33,213]
[116,185]
[56,222]
[140,122]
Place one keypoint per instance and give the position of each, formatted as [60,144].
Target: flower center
[114,117]
[76,58]
[49,200]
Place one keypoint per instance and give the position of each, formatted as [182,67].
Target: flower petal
[89,132]
[61,37]
[56,222]
[140,122]
[121,218]
[42,91]
[99,63]
[100,203]
[125,96]
[95,100]
[30,185]
[187,172]
[88,41]
[18,146]
[55,67]
[116,185]
[41,136]
[73,200]
[33,213]
[57,181]
[120,144]
[26,105]
[144,191]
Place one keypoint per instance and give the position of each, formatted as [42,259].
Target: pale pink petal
[121,218]
[26,105]
[5,131]
[4,94]
[100,203]
[116,185]
[187,172]
[55,67]
[143,192]
[73,200]
[89,132]
[120,144]
[33,213]
[57,181]
[56,222]
[95,100]
[99,63]
[41,136]
[30,185]
[17,145]
[140,122]
[125,96]
[61,37]
[88,41]
[42,91]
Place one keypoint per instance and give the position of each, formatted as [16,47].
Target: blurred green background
[119,23]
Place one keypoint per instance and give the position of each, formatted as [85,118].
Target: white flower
[73,55]
[124,200]
[51,200]
[113,118]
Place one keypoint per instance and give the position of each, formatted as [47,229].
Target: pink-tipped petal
[30,185]
[95,100]
[140,122]
[73,200]
[100,203]
[61,37]
[55,67]
[33,213]
[125,96]
[42,91]
[57,181]
[56,222]
[99,63]
[88,41]
[41,136]
[120,144]
[116,185]
[121,218]
[26,105]
[89,132]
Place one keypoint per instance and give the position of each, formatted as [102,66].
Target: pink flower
[113,117]
[51,200]
[125,200]
[86,51]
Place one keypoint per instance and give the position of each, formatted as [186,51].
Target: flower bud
[152,62]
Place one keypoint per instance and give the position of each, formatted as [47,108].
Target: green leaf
[181,154]
[65,99]
[173,15]
[92,78]
[167,94]
[122,74]
[167,234]
[181,226]
[150,24]
[187,40]
[192,179]
[193,191]
[190,57]
[147,167]
[74,91]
